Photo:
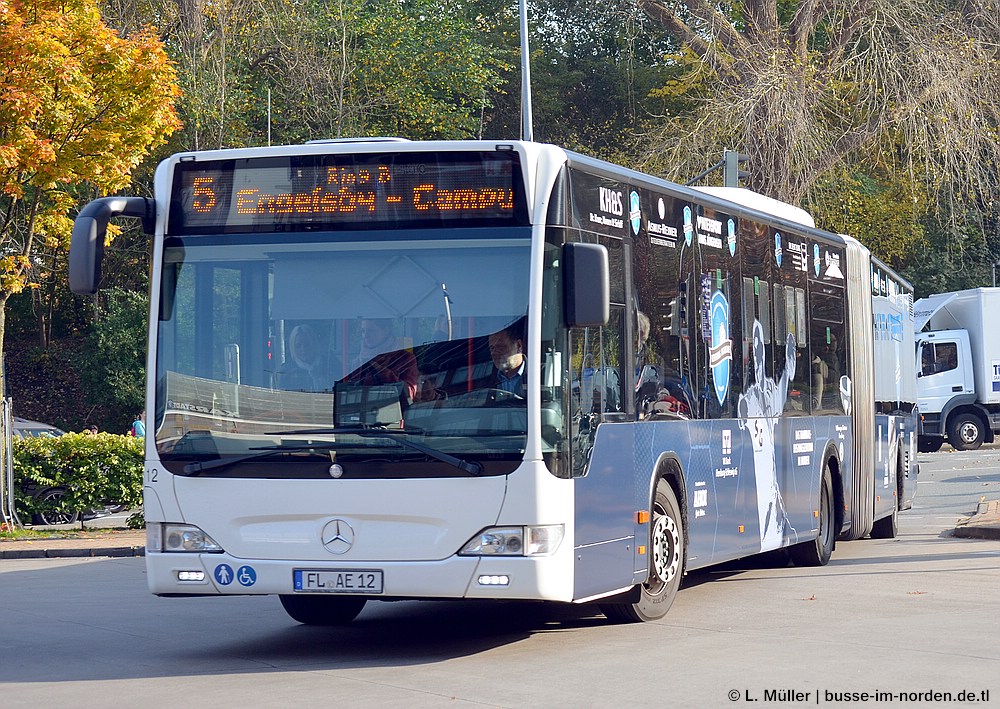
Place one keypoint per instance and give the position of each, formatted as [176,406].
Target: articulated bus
[383,370]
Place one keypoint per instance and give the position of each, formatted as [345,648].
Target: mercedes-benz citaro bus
[381,369]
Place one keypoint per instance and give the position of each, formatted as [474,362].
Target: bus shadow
[410,633]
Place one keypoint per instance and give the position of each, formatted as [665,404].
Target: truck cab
[945,385]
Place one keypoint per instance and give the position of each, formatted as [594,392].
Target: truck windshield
[307,343]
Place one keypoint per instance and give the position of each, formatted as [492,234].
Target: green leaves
[115,371]
[93,470]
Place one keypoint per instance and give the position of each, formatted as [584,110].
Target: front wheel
[666,548]
[966,432]
[818,551]
[51,498]
[323,609]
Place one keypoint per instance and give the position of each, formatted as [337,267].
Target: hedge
[95,470]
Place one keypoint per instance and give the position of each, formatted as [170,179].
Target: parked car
[23,428]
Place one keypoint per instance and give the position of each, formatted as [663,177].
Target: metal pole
[527,132]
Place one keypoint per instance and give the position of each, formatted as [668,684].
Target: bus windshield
[282,354]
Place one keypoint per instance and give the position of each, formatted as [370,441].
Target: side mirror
[586,289]
[86,249]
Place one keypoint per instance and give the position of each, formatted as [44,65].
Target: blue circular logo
[223,574]
[634,214]
[246,576]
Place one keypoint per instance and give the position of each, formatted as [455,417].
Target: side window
[826,348]
[596,362]
[790,324]
[666,319]
[945,357]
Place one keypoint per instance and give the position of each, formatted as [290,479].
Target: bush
[94,471]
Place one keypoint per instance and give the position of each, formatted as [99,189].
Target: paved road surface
[917,614]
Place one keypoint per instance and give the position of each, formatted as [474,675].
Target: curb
[985,524]
[73,553]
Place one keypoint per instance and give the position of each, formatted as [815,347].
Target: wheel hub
[969,432]
[665,549]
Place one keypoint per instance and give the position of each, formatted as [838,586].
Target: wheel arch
[976,410]
[831,458]
[668,468]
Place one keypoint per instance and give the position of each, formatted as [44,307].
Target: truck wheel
[666,548]
[929,444]
[965,432]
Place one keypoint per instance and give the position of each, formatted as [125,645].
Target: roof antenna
[527,132]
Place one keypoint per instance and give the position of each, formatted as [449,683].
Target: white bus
[384,369]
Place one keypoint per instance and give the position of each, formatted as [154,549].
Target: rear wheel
[966,432]
[666,549]
[887,527]
[323,609]
[818,551]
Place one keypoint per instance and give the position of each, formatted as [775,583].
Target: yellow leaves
[84,104]
[13,273]
[78,104]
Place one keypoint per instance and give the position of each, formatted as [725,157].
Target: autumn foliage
[80,107]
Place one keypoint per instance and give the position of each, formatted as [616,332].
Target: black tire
[666,559]
[929,444]
[323,609]
[888,527]
[817,552]
[965,432]
[53,517]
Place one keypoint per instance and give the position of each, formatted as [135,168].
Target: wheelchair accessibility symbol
[246,576]
[224,574]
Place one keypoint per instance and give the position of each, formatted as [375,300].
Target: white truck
[958,368]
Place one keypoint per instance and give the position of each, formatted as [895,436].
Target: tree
[115,361]
[79,108]
[593,66]
[254,71]
[418,70]
[804,86]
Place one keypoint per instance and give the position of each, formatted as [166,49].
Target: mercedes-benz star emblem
[338,536]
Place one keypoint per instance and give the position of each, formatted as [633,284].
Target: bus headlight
[535,540]
[186,538]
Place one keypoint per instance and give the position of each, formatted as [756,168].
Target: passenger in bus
[831,396]
[377,337]
[820,375]
[383,359]
[305,369]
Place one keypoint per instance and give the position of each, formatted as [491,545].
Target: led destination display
[347,191]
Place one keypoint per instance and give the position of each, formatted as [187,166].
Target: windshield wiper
[470,467]
[368,431]
[197,468]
